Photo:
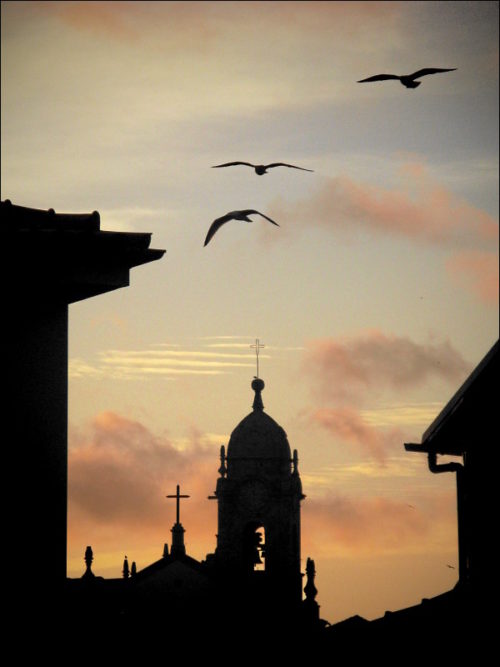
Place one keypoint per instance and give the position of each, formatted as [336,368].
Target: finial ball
[258,384]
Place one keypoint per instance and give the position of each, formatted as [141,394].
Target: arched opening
[261,547]
[254,547]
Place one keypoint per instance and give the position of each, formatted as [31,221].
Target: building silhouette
[50,261]
[460,624]
[462,429]
[252,582]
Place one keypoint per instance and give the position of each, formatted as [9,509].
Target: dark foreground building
[49,261]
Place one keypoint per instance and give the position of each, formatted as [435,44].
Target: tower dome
[258,444]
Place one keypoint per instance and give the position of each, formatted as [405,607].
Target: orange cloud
[119,475]
[348,425]
[422,209]
[478,272]
[344,369]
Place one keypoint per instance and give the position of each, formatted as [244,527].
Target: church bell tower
[258,494]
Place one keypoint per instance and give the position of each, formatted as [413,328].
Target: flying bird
[261,168]
[408,80]
[233,215]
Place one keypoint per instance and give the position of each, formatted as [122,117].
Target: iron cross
[177,496]
[257,347]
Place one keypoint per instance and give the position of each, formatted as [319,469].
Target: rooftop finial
[89,557]
[258,385]
[223,468]
[310,589]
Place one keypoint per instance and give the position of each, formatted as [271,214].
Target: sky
[375,297]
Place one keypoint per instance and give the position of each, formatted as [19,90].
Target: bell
[256,557]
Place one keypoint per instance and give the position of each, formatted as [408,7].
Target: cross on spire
[177,496]
[257,347]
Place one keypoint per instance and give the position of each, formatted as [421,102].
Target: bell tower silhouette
[258,494]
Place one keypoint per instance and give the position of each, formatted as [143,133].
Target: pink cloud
[347,424]
[120,473]
[345,369]
[117,17]
[169,25]
[421,209]
[112,19]
[477,272]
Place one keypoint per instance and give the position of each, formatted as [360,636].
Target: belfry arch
[254,551]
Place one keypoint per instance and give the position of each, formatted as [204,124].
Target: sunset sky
[375,297]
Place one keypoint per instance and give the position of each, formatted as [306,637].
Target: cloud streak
[169,360]
[420,414]
[397,467]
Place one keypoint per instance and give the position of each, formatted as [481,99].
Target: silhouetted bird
[450,566]
[261,168]
[233,215]
[408,80]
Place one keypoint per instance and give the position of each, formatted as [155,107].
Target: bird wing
[429,70]
[379,77]
[230,164]
[251,210]
[217,224]
[284,164]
